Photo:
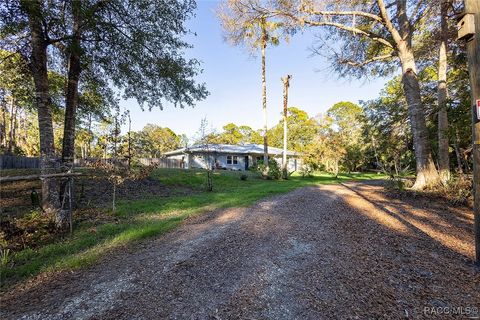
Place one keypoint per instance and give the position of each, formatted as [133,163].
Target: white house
[230,157]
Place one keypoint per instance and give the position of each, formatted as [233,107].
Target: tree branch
[347,13]
[369,35]
[388,23]
[368,61]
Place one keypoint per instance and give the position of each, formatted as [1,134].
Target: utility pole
[286,84]
[469,30]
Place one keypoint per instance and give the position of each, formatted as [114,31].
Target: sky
[233,78]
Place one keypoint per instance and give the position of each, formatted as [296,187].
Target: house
[230,157]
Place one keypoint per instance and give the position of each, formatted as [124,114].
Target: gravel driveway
[326,252]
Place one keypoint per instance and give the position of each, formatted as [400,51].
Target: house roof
[230,148]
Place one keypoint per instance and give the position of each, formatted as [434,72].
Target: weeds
[4,257]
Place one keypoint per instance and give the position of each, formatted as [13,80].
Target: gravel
[335,251]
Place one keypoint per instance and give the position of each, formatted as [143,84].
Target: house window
[232,160]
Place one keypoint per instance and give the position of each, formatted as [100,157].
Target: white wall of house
[293,163]
[198,161]
[229,161]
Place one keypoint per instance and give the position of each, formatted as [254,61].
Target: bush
[306,171]
[274,171]
[243,177]
[459,190]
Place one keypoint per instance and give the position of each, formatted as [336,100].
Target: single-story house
[230,157]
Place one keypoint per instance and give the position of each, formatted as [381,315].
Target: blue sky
[233,79]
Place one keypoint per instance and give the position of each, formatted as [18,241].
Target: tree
[374,36]
[443,146]
[325,151]
[231,135]
[134,45]
[386,136]
[286,84]
[473,52]
[16,94]
[204,139]
[157,140]
[136,31]
[301,130]
[234,134]
[346,127]
[33,12]
[243,25]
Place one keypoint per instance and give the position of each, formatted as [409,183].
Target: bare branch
[369,35]
[347,13]
[388,23]
[368,61]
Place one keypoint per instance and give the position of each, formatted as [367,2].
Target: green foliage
[152,141]
[338,142]
[301,131]
[243,26]
[233,134]
[386,130]
[135,44]
[273,172]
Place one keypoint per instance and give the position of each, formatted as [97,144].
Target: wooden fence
[18,162]
[162,162]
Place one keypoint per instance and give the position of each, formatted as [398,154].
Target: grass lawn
[139,219]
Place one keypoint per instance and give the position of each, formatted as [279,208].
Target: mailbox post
[469,31]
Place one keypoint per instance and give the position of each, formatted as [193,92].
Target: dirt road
[336,251]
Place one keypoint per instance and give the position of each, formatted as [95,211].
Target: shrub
[274,171]
[458,190]
[306,170]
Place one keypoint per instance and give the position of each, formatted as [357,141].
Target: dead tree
[286,84]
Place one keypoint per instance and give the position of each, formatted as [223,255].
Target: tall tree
[243,25]
[134,45]
[443,146]
[158,140]
[38,65]
[286,84]
[473,52]
[386,129]
[136,32]
[375,35]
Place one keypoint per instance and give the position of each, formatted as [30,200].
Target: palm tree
[246,27]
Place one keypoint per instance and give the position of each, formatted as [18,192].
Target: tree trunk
[38,65]
[473,54]
[286,84]
[11,138]
[114,207]
[74,70]
[3,126]
[71,100]
[457,153]
[427,174]
[443,154]
[264,98]
[89,149]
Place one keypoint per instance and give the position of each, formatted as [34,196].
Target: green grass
[141,219]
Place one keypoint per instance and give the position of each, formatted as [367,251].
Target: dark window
[232,160]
